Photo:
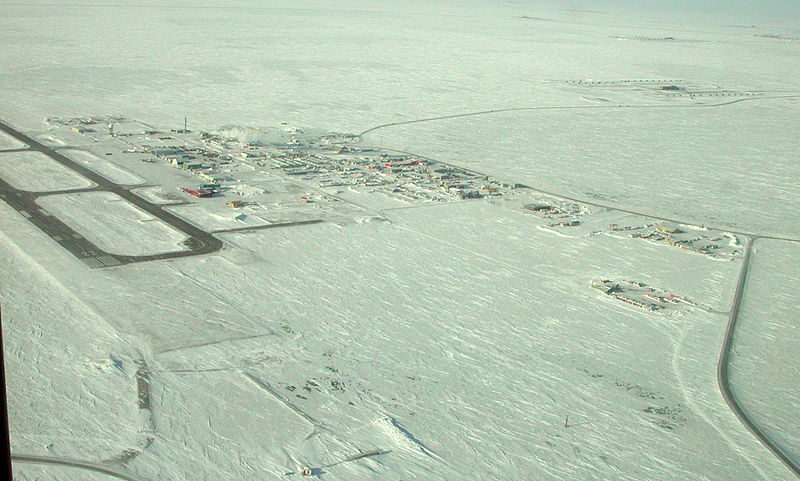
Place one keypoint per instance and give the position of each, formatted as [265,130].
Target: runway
[199,242]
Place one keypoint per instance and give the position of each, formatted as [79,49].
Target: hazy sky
[749,12]
[778,11]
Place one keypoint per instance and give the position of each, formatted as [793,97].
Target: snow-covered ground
[7,142]
[107,169]
[714,165]
[32,472]
[443,333]
[352,65]
[34,171]
[113,224]
[68,392]
[214,215]
[763,366]
[457,338]
[158,195]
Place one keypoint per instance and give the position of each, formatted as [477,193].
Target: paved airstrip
[25,202]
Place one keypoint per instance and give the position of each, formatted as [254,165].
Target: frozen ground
[29,472]
[8,142]
[764,370]
[473,343]
[715,165]
[459,337]
[113,224]
[158,195]
[364,63]
[220,217]
[267,202]
[67,393]
[34,171]
[107,169]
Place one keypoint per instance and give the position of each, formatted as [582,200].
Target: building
[668,230]
[164,151]
[537,207]
[197,193]
[213,187]
[566,223]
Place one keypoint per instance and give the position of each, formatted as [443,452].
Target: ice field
[490,367]
[8,142]
[436,341]
[41,174]
[103,167]
[764,367]
[709,165]
[122,229]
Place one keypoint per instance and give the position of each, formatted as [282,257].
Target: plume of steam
[267,136]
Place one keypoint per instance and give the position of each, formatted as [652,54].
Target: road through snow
[723,363]
[74,463]
[722,367]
